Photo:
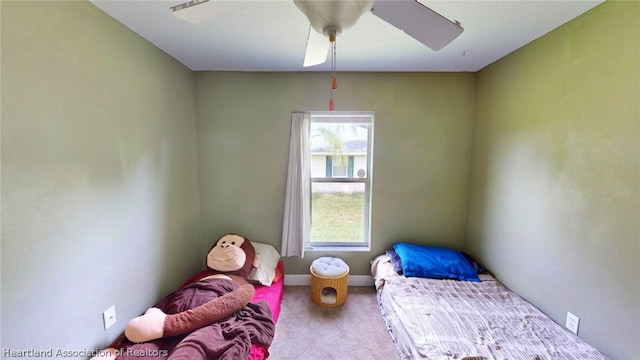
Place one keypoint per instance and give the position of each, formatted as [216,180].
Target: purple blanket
[230,338]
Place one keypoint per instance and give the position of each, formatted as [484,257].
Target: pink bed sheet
[273,296]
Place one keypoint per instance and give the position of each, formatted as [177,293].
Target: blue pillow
[434,262]
[395,260]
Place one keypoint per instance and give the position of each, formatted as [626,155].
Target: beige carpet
[355,330]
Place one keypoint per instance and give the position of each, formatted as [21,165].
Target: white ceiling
[271,35]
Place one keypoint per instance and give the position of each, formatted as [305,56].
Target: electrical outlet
[109,317]
[572,322]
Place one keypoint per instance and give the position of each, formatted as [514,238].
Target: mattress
[450,319]
[273,296]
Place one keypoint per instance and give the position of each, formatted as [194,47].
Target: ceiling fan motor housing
[333,17]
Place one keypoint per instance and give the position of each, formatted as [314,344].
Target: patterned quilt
[450,319]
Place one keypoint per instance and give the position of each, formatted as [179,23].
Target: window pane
[339,149]
[337,212]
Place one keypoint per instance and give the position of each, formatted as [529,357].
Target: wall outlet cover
[572,322]
[109,317]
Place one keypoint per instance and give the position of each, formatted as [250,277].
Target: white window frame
[348,117]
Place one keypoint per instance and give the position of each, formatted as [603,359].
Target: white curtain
[296,227]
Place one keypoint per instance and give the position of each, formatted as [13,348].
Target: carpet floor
[352,331]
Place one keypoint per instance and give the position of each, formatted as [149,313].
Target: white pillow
[266,270]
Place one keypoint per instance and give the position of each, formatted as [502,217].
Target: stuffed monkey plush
[231,258]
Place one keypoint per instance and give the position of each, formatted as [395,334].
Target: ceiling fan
[329,18]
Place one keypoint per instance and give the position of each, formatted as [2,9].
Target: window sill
[339,248]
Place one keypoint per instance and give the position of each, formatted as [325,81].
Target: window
[328,196]
[340,151]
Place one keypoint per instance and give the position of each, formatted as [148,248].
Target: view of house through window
[340,148]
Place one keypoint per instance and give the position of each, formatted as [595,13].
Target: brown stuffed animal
[231,257]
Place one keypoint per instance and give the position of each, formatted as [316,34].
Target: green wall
[112,152]
[422,137]
[554,207]
[100,201]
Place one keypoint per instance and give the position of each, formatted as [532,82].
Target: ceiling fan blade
[419,22]
[317,48]
[198,11]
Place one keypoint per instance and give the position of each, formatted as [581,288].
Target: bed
[273,296]
[264,306]
[448,318]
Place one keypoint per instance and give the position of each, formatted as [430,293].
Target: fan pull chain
[334,80]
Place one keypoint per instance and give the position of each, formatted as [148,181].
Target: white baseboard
[305,280]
